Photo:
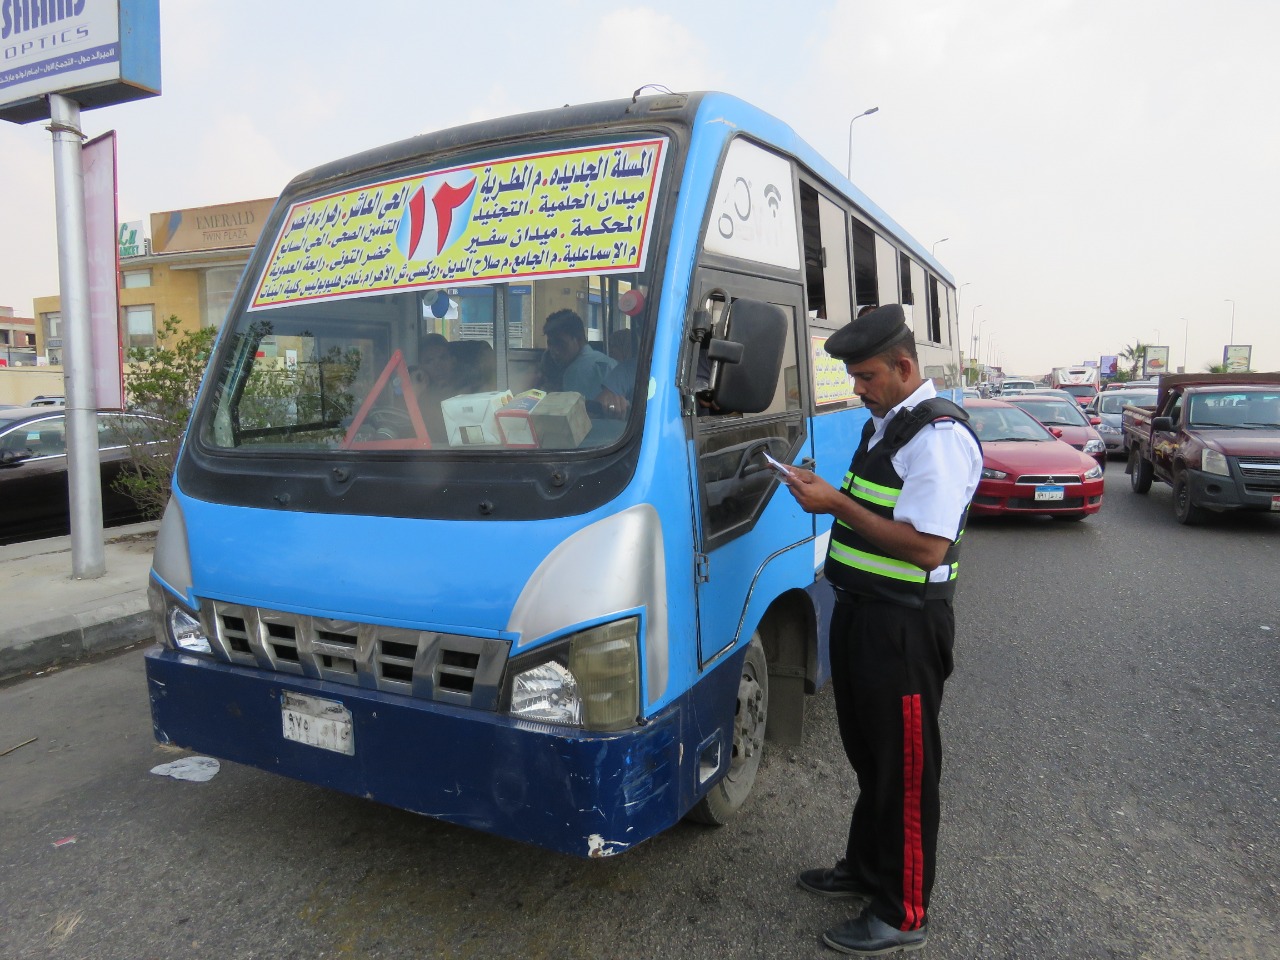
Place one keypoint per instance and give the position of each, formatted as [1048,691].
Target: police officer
[892,560]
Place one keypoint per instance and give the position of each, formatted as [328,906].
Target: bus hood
[521,580]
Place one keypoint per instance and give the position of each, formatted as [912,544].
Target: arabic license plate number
[1275,502]
[1050,492]
[317,723]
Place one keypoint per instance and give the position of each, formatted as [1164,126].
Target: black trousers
[888,666]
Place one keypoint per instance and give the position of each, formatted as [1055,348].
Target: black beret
[868,335]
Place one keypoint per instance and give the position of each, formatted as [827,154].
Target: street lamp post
[934,249]
[1186,330]
[865,113]
[975,339]
[1232,340]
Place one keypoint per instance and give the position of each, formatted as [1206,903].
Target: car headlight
[1094,446]
[1108,428]
[990,473]
[176,626]
[591,680]
[1094,472]
[1214,462]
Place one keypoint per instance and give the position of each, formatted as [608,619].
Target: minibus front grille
[444,667]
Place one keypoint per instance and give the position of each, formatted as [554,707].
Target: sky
[1093,173]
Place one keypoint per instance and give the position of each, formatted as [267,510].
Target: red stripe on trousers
[912,849]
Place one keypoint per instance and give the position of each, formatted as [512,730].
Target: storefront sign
[130,239]
[96,52]
[209,228]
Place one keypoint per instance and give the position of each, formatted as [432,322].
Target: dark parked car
[33,471]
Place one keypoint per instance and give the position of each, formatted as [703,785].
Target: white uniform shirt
[933,465]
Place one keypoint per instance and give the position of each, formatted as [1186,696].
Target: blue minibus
[473,516]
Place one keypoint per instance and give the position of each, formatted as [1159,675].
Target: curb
[73,638]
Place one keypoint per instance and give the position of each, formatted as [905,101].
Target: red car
[1026,469]
[1064,418]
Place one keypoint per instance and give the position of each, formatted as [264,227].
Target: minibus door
[744,516]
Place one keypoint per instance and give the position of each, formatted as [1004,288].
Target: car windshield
[1053,412]
[1243,410]
[497,306]
[993,424]
[1114,403]
[1080,389]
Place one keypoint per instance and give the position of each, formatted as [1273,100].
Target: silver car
[1109,406]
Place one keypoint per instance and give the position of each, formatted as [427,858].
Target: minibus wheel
[750,715]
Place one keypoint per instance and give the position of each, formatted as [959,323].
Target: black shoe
[866,935]
[837,881]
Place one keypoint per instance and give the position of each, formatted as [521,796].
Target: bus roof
[683,109]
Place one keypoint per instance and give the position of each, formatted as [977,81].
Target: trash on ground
[195,769]
[16,746]
[64,841]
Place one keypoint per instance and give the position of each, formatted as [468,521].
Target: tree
[1133,356]
[161,381]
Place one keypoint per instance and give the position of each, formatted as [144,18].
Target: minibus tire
[750,716]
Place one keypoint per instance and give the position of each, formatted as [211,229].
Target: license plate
[1275,501]
[1050,492]
[317,723]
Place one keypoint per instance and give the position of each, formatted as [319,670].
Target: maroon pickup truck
[1214,437]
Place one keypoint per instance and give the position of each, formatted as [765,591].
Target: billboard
[1109,367]
[1236,358]
[1155,362]
[95,52]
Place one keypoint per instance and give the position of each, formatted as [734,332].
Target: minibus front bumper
[581,793]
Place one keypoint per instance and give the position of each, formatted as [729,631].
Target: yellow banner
[570,212]
[831,381]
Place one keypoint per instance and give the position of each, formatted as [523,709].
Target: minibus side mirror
[751,362]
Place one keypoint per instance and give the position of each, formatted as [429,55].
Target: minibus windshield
[497,307]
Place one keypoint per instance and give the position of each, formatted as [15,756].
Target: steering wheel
[385,424]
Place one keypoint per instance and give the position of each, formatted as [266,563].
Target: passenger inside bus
[619,384]
[475,366]
[571,363]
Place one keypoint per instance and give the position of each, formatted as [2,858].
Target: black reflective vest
[855,564]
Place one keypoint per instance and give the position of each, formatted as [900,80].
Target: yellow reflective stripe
[955,568]
[876,564]
[874,492]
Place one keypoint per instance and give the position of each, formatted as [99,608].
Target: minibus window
[494,368]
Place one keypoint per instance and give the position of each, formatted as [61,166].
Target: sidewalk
[47,617]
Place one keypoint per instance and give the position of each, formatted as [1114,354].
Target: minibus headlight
[177,626]
[186,631]
[592,680]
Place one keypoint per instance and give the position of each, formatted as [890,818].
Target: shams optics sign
[96,52]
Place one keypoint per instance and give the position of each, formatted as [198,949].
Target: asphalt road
[1110,790]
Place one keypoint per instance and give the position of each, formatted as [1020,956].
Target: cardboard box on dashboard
[560,420]
[514,423]
[470,418]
